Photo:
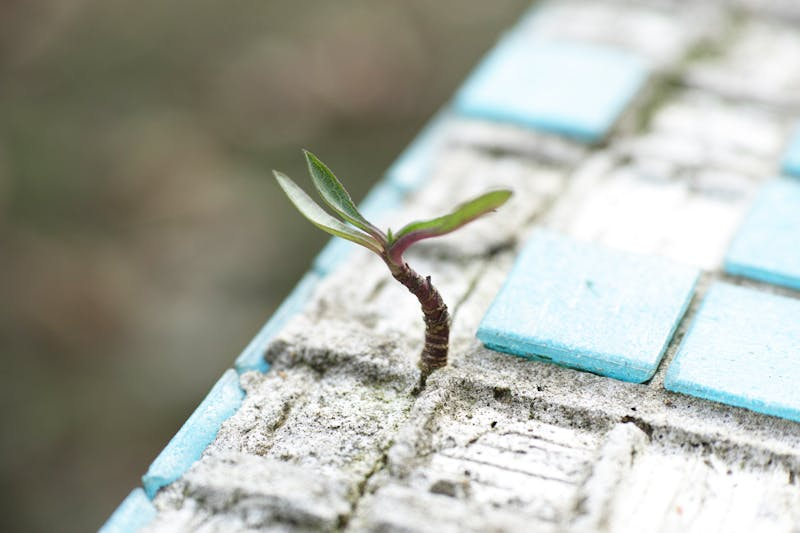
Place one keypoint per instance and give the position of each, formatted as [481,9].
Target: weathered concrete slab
[700,132]
[625,204]
[565,464]
[678,189]
[509,139]
[660,34]
[739,68]
[246,493]
[334,436]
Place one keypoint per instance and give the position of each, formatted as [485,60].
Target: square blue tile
[574,89]
[767,246]
[589,307]
[791,159]
[196,434]
[252,358]
[742,349]
[134,513]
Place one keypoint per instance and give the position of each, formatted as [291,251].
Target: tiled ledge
[338,414]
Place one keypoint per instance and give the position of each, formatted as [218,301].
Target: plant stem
[434,310]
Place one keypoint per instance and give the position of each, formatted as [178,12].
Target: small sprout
[391,246]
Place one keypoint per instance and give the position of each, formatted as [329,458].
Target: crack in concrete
[664,434]
[286,410]
[361,489]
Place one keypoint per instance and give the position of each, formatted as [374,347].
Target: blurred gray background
[143,241]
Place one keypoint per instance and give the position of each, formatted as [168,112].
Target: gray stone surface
[760,62]
[333,436]
[661,34]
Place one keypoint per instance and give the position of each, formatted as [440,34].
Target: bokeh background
[142,239]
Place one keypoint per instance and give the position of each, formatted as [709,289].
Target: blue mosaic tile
[767,246]
[743,349]
[252,358]
[134,513]
[381,199]
[334,253]
[196,434]
[589,307]
[574,89]
[791,159]
[410,171]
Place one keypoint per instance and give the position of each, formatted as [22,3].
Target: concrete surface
[331,438]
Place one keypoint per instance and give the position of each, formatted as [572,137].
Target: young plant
[391,246]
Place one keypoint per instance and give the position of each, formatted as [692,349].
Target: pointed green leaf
[336,196]
[320,218]
[463,214]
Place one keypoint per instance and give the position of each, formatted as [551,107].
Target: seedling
[391,246]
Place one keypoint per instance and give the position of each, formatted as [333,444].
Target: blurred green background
[142,239]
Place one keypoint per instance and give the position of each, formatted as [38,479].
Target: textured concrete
[334,436]
[660,35]
[734,67]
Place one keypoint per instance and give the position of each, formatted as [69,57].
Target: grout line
[700,289]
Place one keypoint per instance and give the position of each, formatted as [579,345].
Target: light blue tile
[589,307]
[411,170]
[767,246]
[134,513]
[574,89]
[381,199]
[252,358]
[791,159]
[196,434]
[334,253]
[742,349]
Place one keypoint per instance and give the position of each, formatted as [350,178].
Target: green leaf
[463,214]
[320,218]
[336,196]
